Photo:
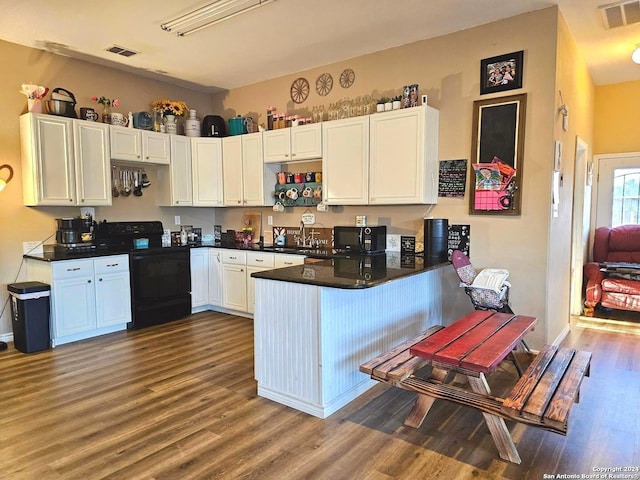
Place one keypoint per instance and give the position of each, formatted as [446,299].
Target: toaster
[213,126]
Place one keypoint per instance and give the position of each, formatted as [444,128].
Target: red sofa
[619,290]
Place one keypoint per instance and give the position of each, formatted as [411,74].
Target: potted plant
[397,102]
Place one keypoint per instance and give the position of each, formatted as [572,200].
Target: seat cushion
[621,285]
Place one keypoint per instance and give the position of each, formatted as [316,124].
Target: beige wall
[573,80]
[19,223]
[617,118]
[446,69]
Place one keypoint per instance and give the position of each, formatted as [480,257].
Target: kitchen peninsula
[314,324]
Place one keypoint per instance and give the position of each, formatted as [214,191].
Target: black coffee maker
[74,234]
[69,230]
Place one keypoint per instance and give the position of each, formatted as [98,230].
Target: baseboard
[565,331]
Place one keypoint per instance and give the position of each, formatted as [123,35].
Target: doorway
[581,223]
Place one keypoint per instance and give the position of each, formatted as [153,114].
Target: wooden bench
[542,397]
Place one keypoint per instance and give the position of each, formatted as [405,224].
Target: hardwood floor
[178,401]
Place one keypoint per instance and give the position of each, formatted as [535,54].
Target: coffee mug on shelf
[282,178]
[298,177]
[90,114]
[309,177]
[119,119]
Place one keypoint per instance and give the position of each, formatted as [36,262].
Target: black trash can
[30,316]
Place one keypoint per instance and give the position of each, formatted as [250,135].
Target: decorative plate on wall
[299,90]
[347,77]
[324,84]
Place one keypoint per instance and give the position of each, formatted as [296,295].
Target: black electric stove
[160,277]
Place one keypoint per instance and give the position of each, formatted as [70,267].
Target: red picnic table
[473,346]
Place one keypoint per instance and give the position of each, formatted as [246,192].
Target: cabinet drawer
[283,260]
[260,259]
[111,264]
[234,257]
[72,269]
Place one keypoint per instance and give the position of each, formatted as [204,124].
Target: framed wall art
[501,73]
[497,141]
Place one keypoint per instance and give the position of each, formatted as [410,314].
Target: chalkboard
[452,178]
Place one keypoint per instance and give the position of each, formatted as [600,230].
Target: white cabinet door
[254,174]
[403,165]
[175,181]
[277,145]
[113,294]
[126,143]
[155,147]
[113,299]
[256,262]
[48,170]
[234,287]
[232,170]
[74,306]
[306,142]
[199,277]
[215,277]
[92,163]
[206,168]
[345,164]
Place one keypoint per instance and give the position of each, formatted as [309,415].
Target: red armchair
[614,290]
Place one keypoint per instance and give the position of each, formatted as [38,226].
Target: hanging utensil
[123,190]
[127,183]
[137,184]
[114,182]
[145,179]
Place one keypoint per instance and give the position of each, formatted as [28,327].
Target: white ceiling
[285,36]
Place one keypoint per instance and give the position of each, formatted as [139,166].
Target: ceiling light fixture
[3,183]
[635,56]
[209,15]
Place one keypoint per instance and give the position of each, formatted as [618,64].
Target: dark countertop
[51,256]
[353,272]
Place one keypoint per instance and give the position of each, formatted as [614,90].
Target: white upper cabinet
[403,166]
[246,179]
[175,181]
[91,145]
[206,169]
[345,164]
[133,145]
[293,144]
[64,161]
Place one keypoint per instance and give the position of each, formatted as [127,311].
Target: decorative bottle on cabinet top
[192,125]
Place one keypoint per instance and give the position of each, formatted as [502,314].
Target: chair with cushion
[488,289]
[612,279]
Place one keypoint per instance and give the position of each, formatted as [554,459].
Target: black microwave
[360,239]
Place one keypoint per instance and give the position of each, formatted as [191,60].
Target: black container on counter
[436,239]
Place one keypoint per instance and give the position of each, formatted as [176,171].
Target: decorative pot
[170,124]
[396,104]
[388,106]
[380,107]
[34,105]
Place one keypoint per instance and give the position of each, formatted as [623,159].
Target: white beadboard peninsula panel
[310,341]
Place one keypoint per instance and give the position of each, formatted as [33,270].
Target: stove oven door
[160,286]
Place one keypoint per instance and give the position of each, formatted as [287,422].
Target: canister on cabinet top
[361,220]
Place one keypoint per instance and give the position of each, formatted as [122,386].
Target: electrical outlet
[176,220]
[31,247]
[269,219]
[393,243]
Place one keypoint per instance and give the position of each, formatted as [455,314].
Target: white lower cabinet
[89,297]
[221,278]
[234,280]
[256,262]
[199,260]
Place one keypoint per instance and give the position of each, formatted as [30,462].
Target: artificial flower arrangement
[170,107]
[34,92]
[107,102]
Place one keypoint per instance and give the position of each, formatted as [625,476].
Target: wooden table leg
[497,427]
[424,402]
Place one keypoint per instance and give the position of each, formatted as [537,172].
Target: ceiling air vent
[620,14]
[125,52]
